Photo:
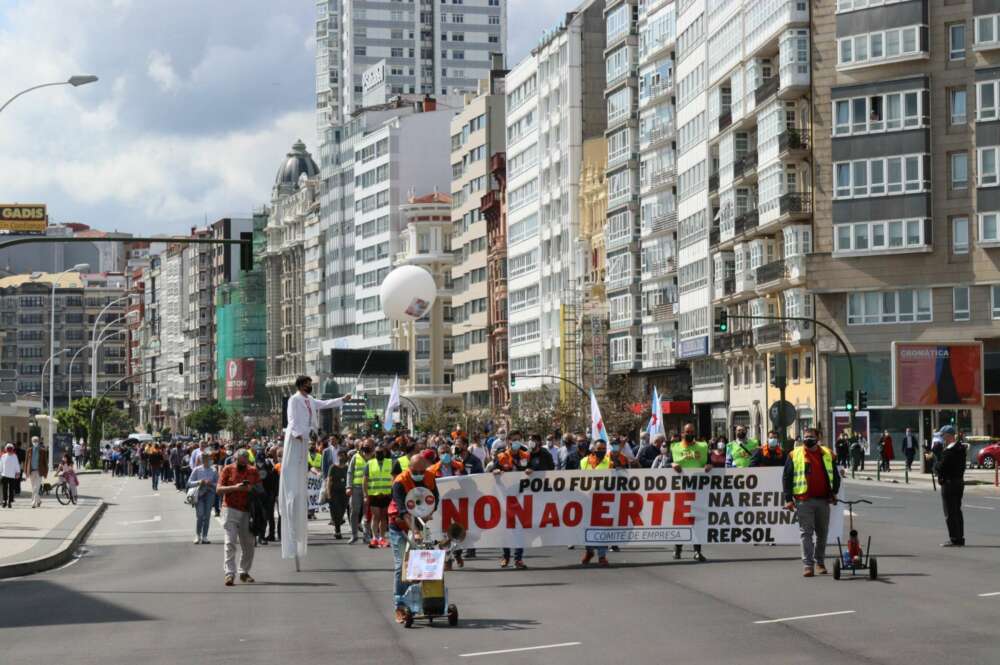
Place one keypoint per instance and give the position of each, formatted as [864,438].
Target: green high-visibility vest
[316,460]
[404,462]
[740,454]
[379,476]
[694,456]
[358,478]
[799,483]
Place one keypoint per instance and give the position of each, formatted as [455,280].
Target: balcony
[771,275]
[791,141]
[725,120]
[663,220]
[659,178]
[657,269]
[746,222]
[660,134]
[770,333]
[661,313]
[657,93]
[620,198]
[783,333]
[795,205]
[766,90]
[617,283]
[713,237]
[713,183]
[725,288]
[745,166]
[617,241]
[660,359]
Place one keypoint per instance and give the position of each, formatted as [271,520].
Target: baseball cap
[947,429]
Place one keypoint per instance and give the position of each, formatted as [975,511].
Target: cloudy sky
[198,102]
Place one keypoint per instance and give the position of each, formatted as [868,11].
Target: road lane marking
[806,616]
[543,646]
[155,518]
[987,595]
[979,507]
[874,496]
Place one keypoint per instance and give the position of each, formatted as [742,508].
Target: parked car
[989,456]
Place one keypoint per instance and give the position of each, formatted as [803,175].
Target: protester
[770,454]
[857,455]
[689,454]
[356,473]
[401,523]
[377,489]
[36,468]
[950,470]
[506,461]
[336,493]
[885,451]
[600,460]
[810,485]
[67,472]
[154,462]
[539,458]
[206,479]
[235,484]
[740,450]
[843,449]
[10,471]
[717,453]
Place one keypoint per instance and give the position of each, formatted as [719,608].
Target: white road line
[155,518]
[873,496]
[980,507]
[987,595]
[847,513]
[806,616]
[543,646]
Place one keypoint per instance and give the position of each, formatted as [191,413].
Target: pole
[78,351]
[781,417]
[572,383]
[52,374]
[93,344]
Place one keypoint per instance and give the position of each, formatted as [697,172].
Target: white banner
[314,488]
[619,507]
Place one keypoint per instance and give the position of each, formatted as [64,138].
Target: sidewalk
[36,539]
[898,476]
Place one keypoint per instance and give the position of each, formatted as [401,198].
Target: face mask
[308,389]
[773,443]
[417,476]
[810,442]
[599,454]
[741,435]
[380,455]
[516,445]
[532,445]
[689,437]
[615,448]
[446,458]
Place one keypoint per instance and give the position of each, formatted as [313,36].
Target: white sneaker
[197,541]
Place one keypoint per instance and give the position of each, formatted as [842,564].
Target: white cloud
[161,70]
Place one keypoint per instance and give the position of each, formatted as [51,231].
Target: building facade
[477,133]
[554,104]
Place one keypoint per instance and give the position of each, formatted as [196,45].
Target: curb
[62,554]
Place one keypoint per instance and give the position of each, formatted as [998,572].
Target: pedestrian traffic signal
[862,400]
[721,321]
[776,369]
[180,368]
[513,379]
[848,401]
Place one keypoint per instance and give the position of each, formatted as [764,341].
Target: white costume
[293,501]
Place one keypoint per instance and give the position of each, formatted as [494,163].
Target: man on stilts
[293,499]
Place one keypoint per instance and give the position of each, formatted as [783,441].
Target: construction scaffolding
[569,344]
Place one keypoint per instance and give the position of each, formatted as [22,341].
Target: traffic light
[246,251]
[513,379]
[376,424]
[862,400]
[180,368]
[776,369]
[721,321]
[848,401]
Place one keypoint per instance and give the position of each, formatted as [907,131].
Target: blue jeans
[397,539]
[518,553]
[602,552]
[203,513]
[155,475]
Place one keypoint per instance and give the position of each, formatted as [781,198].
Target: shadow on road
[481,624]
[43,603]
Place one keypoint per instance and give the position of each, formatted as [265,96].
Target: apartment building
[426,241]
[198,321]
[554,104]
[493,206]
[911,195]
[477,133]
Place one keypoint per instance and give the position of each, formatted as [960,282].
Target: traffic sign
[782,413]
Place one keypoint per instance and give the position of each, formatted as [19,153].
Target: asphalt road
[144,594]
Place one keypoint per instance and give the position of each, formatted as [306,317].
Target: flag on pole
[389,419]
[655,427]
[598,432]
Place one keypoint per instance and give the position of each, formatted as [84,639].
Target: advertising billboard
[240,378]
[947,375]
[23,218]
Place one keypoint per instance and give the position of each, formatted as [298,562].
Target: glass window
[988,227]
[876,45]
[909,40]
[913,232]
[860,237]
[878,236]
[959,170]
[842,112]
[895,234]
[844,237]
[960,235]
[987,101]
[894,111]
[957,103]
[843,180]
[895,168]
[911,105]
[860,110]
[861,178]
[861,48]
[956,41]
[987,166]
[984,29]
[912,174]
[960,303]
[923,305]
[995,302]
[845,50]
[891,43]
[905,306]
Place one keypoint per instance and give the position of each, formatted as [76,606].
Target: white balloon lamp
[407,293]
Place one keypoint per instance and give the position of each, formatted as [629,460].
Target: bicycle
[63,495]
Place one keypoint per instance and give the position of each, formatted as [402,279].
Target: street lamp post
[52,372]
[80,267]
[93,344]
[75,81]
[73,359]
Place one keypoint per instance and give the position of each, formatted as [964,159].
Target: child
[67,473]
[853,555]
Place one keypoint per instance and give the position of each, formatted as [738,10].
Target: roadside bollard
[906,475]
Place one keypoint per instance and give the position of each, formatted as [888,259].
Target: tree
[616,407]
[542,411]
[208,419]
[236,425]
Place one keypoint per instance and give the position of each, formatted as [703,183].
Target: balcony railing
[661,132]
[657,91]
[657,359]
[745,164]
[725,120]
[793,139]
[770,333]
[661,176]
[663,220]
[713,237]
[766,89]
[713,183]
[748,221]
[795,203]
[659,268]
[771,272]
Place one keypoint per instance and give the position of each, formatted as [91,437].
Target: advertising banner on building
[23,218]
[240,378]
[621,507]
[937,375]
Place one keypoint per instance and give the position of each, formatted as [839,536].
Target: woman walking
[10,472]
[205,478]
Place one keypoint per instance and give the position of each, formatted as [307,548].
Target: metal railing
[770,333]
[795,203]
[793,139]
[771,272]
[765,90]
[725,120]
[745,164]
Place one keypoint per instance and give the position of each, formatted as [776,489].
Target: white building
[554,102]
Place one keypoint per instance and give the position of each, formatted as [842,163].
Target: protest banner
[621,507]
[314,488]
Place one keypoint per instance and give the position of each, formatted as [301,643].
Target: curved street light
[82,348]
[93,343]
[75,81]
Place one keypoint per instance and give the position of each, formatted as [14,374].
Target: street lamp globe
[81,79]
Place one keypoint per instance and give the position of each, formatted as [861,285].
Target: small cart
[864,562]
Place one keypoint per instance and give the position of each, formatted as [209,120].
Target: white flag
[389,419]
[655,426]
[598,432]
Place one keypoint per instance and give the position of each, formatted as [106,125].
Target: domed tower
[297,163]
